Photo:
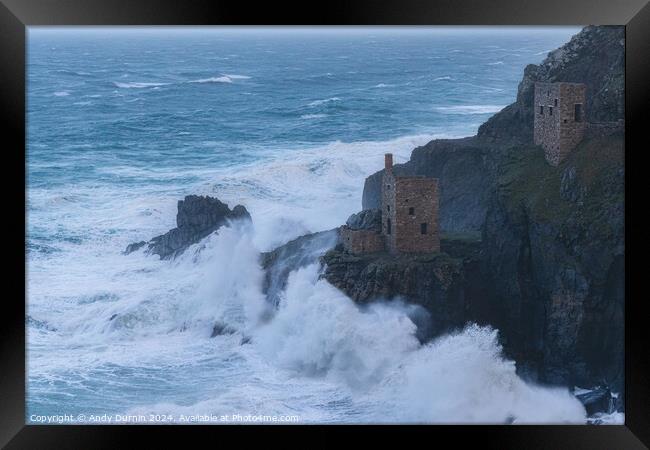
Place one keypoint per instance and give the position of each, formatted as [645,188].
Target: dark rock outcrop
[291,256]
[220,329]
[368,219]
[135,246]
[554,250]
[437,282]
[197,217]
[599,400]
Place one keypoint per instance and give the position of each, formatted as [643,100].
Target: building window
[564,120]
[550,110]
[388,186]
[388,226]
[578,112]
[411,211]
[423,228]
[388,208]
[555,104]
[541,110]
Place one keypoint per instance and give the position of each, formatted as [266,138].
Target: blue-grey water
[122,123]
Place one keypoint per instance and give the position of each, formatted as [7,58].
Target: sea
[122,123]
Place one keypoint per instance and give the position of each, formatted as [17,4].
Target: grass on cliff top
[526,180]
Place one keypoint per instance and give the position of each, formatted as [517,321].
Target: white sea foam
[61,93]
[313,116]
[324,101]
[221,79]
[496,63]
[470,109]
[445,78]
[137,85]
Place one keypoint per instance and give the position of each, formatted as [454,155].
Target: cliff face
[553,250]
[437,282]
[552,247]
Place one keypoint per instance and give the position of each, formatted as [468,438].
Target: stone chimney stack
[388,162]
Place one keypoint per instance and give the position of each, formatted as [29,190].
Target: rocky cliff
[551,265]
[442,283]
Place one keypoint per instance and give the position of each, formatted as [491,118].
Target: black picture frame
[16,15]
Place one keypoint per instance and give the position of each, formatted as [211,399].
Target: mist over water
[121,125]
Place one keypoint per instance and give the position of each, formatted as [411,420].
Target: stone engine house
[409,217]
[560,120]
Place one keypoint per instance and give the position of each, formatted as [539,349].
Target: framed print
[405,218]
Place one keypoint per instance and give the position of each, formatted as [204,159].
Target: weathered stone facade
[361,241]
[560,118]
[409,218]
[409,212]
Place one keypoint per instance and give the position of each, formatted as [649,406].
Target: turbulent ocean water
[123,123]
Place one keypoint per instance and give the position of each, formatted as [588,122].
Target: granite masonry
[409,217]
[559,123]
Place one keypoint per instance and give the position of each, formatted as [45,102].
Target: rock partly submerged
[197,217]
[293,255]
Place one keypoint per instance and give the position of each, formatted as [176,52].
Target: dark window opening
[387,207]
[555,104]
[564,120]
[423,228]
[541,110]
[388,226]
[550,110]
[388,186]
[578,112]
[411,211]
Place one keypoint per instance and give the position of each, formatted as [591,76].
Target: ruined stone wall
[547,119]
[555,125]
[571,132]
[388,210]
[416,215]
[361,241]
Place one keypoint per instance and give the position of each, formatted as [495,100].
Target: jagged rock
[220,329]
[197,217]
[443,285]
[42,324]
[293,255]
[368,219]
[135,246]
[599,400]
